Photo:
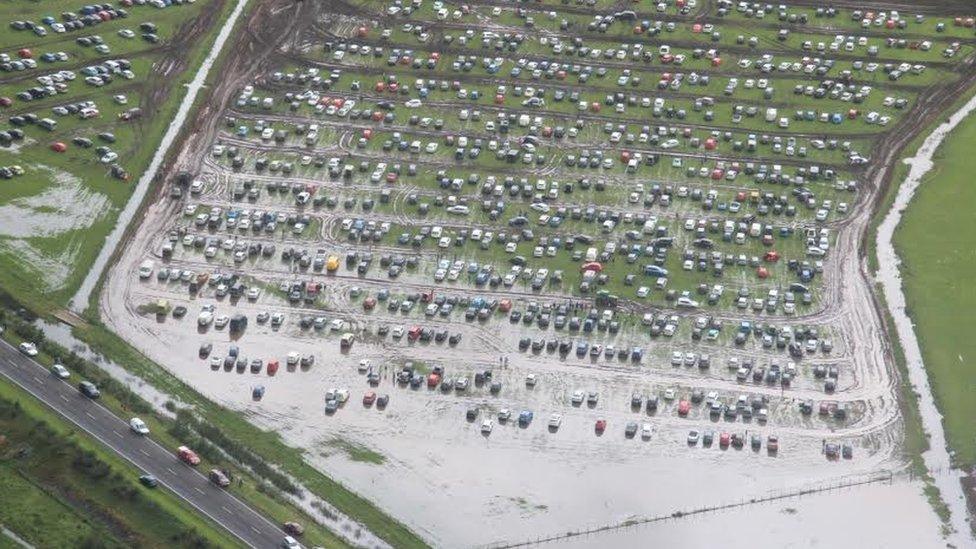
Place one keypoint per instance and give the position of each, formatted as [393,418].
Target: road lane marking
[172,472]
[89,415]
[224,507]
[256,531]
[12,363]
[118,434]
[37,379]
[64,398]
[145,453]
[197,489]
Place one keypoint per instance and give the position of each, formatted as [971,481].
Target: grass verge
[63,489]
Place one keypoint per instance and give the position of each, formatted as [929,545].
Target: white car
[555,420]
[138,426]
[530,380]
[205,318]
[646,431]
[364,365]
[486,426]
[221,321]
[60,371]
[28,348]
[578,397]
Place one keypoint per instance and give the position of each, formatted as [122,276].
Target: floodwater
[80,301]
[873,516]
[61,334]
[458,487]
[937,458]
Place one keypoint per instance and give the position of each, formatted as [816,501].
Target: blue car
[525,418]
[655,271]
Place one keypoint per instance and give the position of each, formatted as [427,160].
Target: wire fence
[847,482]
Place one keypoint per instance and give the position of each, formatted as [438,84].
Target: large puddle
[937,458]
[63,206]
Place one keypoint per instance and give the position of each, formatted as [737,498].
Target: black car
[148,481]
[89,389]
[205,349]
[179,311]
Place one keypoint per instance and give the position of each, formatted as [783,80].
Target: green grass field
[937,243]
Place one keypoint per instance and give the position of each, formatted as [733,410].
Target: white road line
[64,398]
[145,453]
[197,489]
[37,379]
[256,531]
[170,471]
[12,363]
[118,434]
[89,415]
[224,507]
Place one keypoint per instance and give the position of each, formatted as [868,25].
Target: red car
[433,380]
[187,456]
[683,408]
[414,333]
[772,444]
[601,425]
[723,440]
[272,367]
[369,398]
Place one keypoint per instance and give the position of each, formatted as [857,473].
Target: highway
[246,524]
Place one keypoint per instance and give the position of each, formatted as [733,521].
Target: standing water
[937,459]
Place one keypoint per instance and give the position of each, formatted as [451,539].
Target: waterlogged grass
[355,452]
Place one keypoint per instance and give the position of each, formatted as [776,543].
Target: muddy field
[428,455]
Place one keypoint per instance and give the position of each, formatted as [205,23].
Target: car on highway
[59,371]
[89,389]
[138,426]
[148,481]
[219,478]
[28,348]
[187,456]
